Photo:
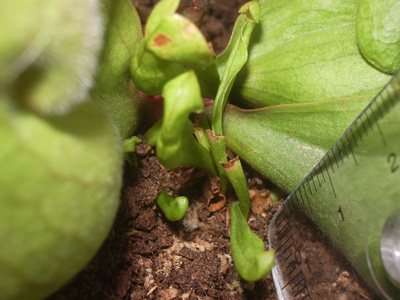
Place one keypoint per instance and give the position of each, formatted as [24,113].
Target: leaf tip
[252,10]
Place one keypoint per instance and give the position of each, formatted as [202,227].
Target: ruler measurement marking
[304,288]
[281,219]
[322,171]
[293,266]
[283,232]
[319,181]
[295,201]
[301,196]
[380,133]
[293,278]
[377,124]
[302,279]
[357,128]
[353,136]
[308,200]
[379,110]
[340,211]
[369,118]
[364,130]
[364,121]
[330,180]
[384,102]
[309,187]
[330,162]
[315,186]
[287,257]
[287,225]
[298,283]
[341,149]
[346,142]
[289,245]
[334,156]
[351,148]
[299,199]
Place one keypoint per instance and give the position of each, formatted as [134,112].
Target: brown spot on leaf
[161,40]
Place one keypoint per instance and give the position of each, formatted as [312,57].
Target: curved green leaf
[251,260]
[174,135]
[174,209]
[234,171]
[60,180]
[378,33]
[284,142]
[114,89]
[172,46]
[237,58]
[303,51]
[162,9]
[178,39]
[49,52]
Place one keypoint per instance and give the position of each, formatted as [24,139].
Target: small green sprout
[174,209]
[129,147]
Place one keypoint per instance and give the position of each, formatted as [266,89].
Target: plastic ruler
[346,212]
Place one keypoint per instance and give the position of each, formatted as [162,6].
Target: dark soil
[148,257]
[311,267]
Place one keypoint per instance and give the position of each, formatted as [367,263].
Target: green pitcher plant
[296,74]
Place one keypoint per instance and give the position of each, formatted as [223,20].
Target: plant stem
[234,171]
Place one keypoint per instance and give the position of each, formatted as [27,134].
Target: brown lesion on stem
[230,164]
[211,135]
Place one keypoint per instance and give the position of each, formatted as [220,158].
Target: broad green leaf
[114,89]
[284,142]
[378,33]
[49,52]
[174,209]
[251,260]
[238,55]
[176,145]
[304,51]
[60,180]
